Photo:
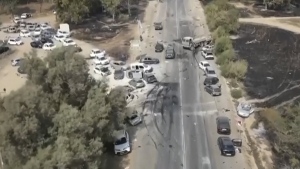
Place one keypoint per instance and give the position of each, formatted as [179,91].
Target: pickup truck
[192,43]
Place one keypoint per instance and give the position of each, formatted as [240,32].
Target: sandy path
[278,22]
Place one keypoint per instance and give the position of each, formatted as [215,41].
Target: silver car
[119,65]
[214,90]
[137,83]
[122,143]
[245,110]
[135,119]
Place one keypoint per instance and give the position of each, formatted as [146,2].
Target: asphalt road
[180,129]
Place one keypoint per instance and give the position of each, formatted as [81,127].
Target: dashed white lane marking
[200,113]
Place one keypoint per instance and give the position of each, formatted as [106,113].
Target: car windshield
[246,107]
[206,64]
[139,81]
[211,72]
[133,117]
[119,72]
[121,141]
[104,69]
[97,51]
[102,58]
[217,89]
[229,147]
[69,41]
[209,53]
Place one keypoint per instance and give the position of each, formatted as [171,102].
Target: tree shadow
[24,9]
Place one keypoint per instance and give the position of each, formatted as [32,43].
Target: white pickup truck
[192,43]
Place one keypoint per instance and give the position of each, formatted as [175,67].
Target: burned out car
[158,26]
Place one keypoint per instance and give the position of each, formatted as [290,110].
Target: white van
[141,66]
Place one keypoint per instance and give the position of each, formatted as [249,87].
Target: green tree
[34,67]
[72,11]
[111,6]
[9,5]
[63,120]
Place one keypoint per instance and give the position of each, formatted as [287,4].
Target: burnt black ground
[274,62]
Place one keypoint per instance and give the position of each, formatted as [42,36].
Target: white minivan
[141,66]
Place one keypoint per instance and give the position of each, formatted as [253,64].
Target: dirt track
[274,22]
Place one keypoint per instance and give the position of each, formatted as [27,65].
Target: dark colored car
[36,44]
[149,78]
[46,40]
[223,125]
[214,90]
[3,49]
[119,74]
[149,60]
[226,146]
[158,26]
[210,80]
[159,47]
[170,52]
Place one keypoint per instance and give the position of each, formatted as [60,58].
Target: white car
[101,61]
[207,55]
[64,33]
[26,15]
[68,42]
[97,53]
[59,38]
[245,110]
[203,65]
[103,71]
[17,19]
[37,31]
[45,26]
[49,46]
[122,143]
[16,62]
[15,41]
[25,33]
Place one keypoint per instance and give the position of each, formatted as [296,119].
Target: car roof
[226,140]
[204,62]
[209,68]
[215,86]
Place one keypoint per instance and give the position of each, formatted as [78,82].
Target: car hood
[122,147]
[136,120]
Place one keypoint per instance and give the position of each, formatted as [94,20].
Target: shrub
[222,44]
[234,83]
[236,69]
[222,14]
[219,32]
[225,57]
[236,93]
